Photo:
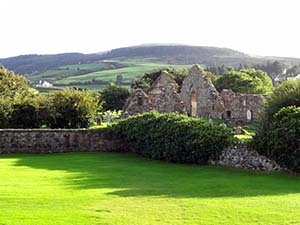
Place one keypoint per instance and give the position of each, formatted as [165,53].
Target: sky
[255,27]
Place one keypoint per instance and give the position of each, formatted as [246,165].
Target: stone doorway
[194,104]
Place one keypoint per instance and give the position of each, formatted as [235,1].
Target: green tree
[278,133]
[114,97]
[213,77]
[279,138]
[23,116]
[5,111]
[14,89]
[119,79]
[13,85]
[71,108]
[284,95]
[148,79]
[250,81]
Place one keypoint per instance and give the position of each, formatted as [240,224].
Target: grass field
[71,70]
[111,188]
[105,71]
[129,73]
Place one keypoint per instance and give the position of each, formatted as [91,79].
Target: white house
[43,84]
[294,78]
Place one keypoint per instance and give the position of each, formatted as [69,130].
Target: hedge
[280,139]
[173,137]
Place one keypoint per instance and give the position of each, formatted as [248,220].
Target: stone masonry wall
[57,141]
[242,106]
[238,155]
[207,98]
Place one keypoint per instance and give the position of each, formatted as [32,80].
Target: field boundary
[58,141]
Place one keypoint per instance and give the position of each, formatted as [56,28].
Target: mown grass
[112,188]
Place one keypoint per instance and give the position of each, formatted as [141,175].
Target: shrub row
[68,108]
[278,137]
[173,137]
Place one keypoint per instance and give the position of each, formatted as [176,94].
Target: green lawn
[112,188]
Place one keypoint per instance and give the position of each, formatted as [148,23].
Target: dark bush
[114,97]
[280,140]
[4,112]
[278,136]
[24,115]
[284,95]
[173,137]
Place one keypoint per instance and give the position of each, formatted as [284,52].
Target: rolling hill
[99,69]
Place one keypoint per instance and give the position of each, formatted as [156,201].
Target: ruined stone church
[197,97]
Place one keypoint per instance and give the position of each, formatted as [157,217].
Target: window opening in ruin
[139,100]
[194,104]
[249,115]
[228,113]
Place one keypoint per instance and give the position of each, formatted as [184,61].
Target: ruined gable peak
[197,73]
[197,78]
[197,69]
[137,102]
[163,81]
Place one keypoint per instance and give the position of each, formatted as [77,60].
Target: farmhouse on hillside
[197,97]
[42,84]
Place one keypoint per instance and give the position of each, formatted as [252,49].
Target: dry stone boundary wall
[57,141]
[239,155]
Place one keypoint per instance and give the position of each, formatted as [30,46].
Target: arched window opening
[194,104]
[249,115]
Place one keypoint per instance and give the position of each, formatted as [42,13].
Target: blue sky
[257,27]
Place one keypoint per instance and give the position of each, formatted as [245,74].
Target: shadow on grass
[131,175]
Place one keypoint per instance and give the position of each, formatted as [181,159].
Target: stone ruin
[242,108]
[163,97]
[200,96]
[197,97]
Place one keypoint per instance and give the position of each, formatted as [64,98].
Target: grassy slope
[110,188]
[69,70]
[103,71]
[129,73]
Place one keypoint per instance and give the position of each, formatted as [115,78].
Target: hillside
[176,54]
[98,70]
[31,64]
[100,74]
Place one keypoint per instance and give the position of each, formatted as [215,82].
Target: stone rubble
[240,155]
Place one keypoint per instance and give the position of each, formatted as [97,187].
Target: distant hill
[95,71]
[176,54]
[166,54]
[31,64]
